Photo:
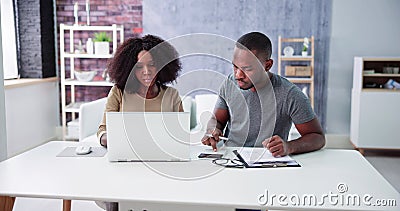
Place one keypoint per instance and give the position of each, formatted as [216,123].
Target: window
[10,67]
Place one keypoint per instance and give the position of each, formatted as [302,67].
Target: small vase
[89,46]
[304,53]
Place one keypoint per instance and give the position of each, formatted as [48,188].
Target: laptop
[148,136]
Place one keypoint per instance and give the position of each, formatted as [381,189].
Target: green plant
[101,37]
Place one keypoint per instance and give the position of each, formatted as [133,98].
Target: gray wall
[170,18]
[3,135]
[35,34]
[359,28]
[30,57]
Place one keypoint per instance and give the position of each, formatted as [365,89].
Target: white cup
[396,70]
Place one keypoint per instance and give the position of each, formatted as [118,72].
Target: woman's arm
[114,101]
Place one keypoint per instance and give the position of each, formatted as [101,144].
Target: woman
[140,69]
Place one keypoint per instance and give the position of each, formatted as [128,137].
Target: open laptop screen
[148,136]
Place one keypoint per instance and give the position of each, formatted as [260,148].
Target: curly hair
[164,55]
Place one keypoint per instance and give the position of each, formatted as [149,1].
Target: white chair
[204,106]
[188,106]
[90,116]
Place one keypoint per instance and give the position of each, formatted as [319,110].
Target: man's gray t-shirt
[255,116]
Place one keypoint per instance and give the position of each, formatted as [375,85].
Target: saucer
[288,51]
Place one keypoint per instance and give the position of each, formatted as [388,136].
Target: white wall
[359,28]
[32,115]
[3,135]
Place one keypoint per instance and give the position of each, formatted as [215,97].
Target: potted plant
[101,43]
[306,42]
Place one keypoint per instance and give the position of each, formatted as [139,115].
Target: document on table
[262,155]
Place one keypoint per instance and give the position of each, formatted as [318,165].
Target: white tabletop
[39,173]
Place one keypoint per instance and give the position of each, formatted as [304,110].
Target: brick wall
[102,12]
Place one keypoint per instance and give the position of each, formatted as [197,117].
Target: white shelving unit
[296,58]
[65,54]
[375,119]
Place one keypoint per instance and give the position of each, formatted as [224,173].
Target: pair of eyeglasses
[228,163]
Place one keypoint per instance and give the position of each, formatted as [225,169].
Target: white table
[39,173]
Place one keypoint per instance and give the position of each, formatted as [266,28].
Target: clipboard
[269,164]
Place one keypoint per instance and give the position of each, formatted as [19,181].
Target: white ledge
[14,83]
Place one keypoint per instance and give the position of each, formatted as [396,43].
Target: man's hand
[212,140]
[276,146]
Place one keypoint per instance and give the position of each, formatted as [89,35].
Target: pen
[220,137]
[271,164]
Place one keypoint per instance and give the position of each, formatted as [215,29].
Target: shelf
[379,90]
[87,83]
[285,61]
[86,56]
[381,75]
[92,28]
[70,61]
[381,59]
[374,109]
[300,80]
[296,58]
[292,39]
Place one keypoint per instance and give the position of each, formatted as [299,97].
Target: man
[258,107]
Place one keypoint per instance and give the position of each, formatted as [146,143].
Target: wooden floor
[34,204]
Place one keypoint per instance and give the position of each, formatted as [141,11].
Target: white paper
[260,155]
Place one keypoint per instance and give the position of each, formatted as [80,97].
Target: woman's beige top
[167,100]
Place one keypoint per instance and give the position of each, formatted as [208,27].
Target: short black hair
[256,41]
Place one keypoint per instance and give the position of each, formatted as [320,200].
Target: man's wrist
[213,129]
[289,147]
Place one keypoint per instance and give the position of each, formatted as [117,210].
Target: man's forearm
[213,123]
[220,126]
[307,143]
